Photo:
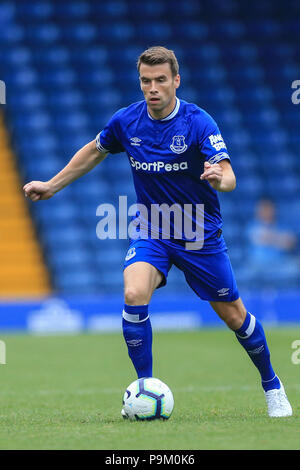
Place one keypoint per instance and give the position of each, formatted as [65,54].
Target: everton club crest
[178,144]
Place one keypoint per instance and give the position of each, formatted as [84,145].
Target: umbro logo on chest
[135,141]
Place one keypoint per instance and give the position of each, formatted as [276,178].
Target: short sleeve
[211,143]
[109,140]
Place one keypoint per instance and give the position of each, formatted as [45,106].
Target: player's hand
[213,173]
[38,190]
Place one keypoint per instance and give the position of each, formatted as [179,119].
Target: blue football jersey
[167,158]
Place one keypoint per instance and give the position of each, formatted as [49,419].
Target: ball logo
[178,144]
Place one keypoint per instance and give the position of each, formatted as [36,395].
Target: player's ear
[177,81]
[140,82]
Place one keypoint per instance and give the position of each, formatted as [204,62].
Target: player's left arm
[219,175]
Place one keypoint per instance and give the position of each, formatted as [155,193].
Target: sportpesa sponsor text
[158,165]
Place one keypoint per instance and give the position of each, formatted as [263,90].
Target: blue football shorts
[210,275]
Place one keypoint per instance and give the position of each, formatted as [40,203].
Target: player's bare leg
[232,313]
[140,281]
[251,336]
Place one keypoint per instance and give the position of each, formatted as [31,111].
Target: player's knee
[234,322]
[235,317]
[136,296]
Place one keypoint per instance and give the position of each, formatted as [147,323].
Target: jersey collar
[171,115]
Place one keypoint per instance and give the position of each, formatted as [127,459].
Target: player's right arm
[82,162]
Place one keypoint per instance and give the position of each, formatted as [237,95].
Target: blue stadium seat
[77,9]
[54,55]
[113,256]
[112,10]
[22,78]
[35,122]
[228,29]
[116,31]
[71,121]
[108,97]
[96,79]
[263,28]
[187,10]
[74,258]
[192,31]
[7,13]
[46,33]
[64,99]
[43,169]
[71,233]
[79,33]
[57,77]
[18,57]
[11,33]
[58,211]
[37,11]
[24,100]
[154,31]
[76,281]
[110,279]
[41,144]
[153,9]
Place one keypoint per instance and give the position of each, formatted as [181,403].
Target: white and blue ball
[147,399]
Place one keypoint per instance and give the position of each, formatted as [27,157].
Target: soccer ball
[147,399]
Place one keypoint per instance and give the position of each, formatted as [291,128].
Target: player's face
[159,88]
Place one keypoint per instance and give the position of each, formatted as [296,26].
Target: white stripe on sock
[270,380]
[250,328]
[133,318]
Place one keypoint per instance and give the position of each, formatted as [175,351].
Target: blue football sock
[252,337]
[137,332]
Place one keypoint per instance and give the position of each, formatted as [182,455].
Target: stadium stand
[68,65]
[22,268]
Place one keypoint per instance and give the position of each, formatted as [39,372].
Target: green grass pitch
[65,392]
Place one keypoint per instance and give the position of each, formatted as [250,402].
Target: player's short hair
[159,55]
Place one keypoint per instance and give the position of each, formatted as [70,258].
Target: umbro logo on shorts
[224,291]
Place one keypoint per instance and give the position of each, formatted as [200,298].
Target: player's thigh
[140,281]
[232,313]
